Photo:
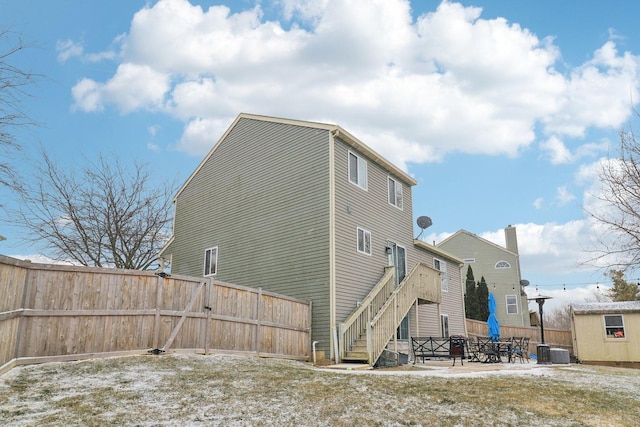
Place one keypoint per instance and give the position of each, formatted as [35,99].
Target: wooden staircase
[366,332]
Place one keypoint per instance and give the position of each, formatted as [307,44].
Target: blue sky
[500,109]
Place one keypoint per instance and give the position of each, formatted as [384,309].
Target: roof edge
[463,231]
[337,131]
[429,247]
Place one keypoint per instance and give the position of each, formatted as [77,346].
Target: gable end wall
[263,199]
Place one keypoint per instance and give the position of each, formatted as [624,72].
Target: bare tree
[13,84]
[558,318]
[617,211]
[103,216]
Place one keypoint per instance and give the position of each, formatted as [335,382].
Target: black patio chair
[518,349]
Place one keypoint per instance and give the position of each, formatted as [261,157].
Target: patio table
[494,351]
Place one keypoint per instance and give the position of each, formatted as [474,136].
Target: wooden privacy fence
[558,338]
[54,312]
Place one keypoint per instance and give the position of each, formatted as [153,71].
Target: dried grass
[247,391]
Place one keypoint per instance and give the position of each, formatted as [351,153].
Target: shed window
[364,241]
[614,326]
[211,261]
[357,170]
[395,193]
[512,304]
[503,264]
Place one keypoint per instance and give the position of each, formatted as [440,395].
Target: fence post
[26,291]
[208,307]
[256,342]
[156,323]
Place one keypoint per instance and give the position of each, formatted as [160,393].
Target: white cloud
[68,49]
[538,203]
[200,135]
[566,296]
[87,96]
[131,88]
[563,196]
[447,81]
[42,259]
[598,93]
[556,151]
[549,250]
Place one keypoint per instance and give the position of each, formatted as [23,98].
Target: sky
[501,110]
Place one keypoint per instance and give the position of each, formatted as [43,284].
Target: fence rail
[53,312]
[554,337]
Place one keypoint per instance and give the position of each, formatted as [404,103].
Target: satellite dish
[524,283]
[423,222]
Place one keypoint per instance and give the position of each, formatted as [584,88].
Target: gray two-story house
[307,210]
[500,268]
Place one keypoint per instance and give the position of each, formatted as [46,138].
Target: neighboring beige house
[606,333]
[500,268]
[307,210]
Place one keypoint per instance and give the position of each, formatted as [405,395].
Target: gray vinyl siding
[452,302]
[357,273]
[262,197]
[501,282]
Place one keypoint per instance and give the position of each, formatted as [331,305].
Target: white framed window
[211,261]
[444,325]
[502,264]
[364,241]
[441,266]
[395,192]
[469,260]
[358,170]
[512,304]
[614,326]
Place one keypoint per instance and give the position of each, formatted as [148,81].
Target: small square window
[358,171]
[211,261]
[364,241]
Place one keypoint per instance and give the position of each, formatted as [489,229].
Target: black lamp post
[544,354]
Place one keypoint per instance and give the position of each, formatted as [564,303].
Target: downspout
[464,308]
[332,247]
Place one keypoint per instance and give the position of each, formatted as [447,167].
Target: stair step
[356,355]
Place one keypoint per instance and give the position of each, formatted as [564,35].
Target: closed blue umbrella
[492,321]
